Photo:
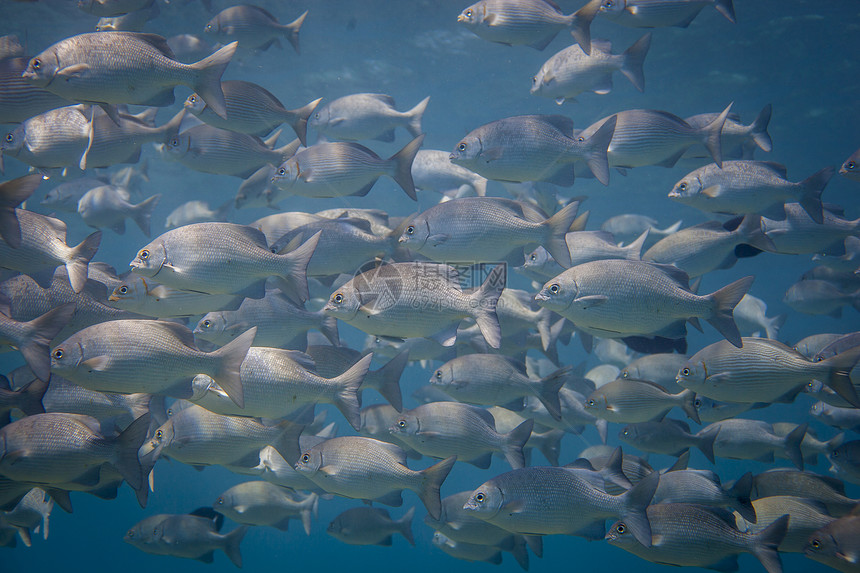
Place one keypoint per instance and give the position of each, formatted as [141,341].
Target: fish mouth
[542,297]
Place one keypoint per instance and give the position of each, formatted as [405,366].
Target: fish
[366,116]
[799,234]
[118,139]
[682,485]
[835,544]
[364,468]
[845,461]
[12,194]
[54,139]
[112,7]
[709,246]
[613,298]
[534,148]
[253,27]
[145,297]
[486,229]
[628,401]
[533,23]
[849,262]
[125,68]
[762,370]
[700,536]
[752,320]
[819,297]
[370,526]
[58,448]
[132,21]
[193,257]
[65,196]
[277,382]
[433,171]
[339,168]
[627,227]
[738,140]
[188,47]
[33,338]
[109,357]
[332,361]
[482,553]
[377,300]
[661,13]
[850,168]
[743,187]
[583,247]
[827,490]
[20,100]
[196,212]
[514,501]
[444,429]
[574,415]
[843,418]
[658,368]
[571,71]
[653,137]
[31,513]
[252,109]
[104,207]
[743,439]
[263,503]
[806,517]
[669,436]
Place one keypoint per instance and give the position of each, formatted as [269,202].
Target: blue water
[801,56]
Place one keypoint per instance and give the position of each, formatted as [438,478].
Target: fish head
[131,292]
[689,186]
[213,26]
[851,167]
[486,501]
[309,462]
[821,545]
[846,456]
[287,173]
[557,294]
[150,259]
[67,356]
[195,104]
[537,259]
[343,303]
[42,68]
[211,326]
[13,142]
[693,374]
[474,15]
[224,502]
[597,401]
[444,376]
[161,438]
[629,434]
[612,7]
[108,24]
[405,425]
[319,120]
[176,146]
[468,151]
[415,234]
[620,534]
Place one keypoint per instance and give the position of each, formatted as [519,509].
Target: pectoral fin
[73,71]
[97,363]
[590,300]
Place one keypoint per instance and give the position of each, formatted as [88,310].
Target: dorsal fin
[154,40]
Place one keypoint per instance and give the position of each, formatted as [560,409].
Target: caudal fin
[758,129]
[287,441]
[636,503]
[298,119]
[839,376]
[415,116]
[229,360]
[431,483]
[712,136]
[293,278]
[725,300]
[513,442]
[127,445]
[688,404]
[483,304]
[792,445]
[35,344]
[387,380]
[766,544]
[634,57]
[726,8]
[232,541]
[12,194]
[348,383]
[634,249]
[142,214]
[402,161]
[207,82]
[81,255]
[547,390]
[751,233]
[740,493]
[580,27]
[291,31]
[404,526]
[706,439]
[557,229]
[596,149]
[29,398]
[812,188]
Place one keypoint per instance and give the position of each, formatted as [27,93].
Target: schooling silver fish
[146,297]
[253,27]
[104,207]
[370,526]
[661,13]
[264,503]
[432,170]
[366,116]
[19,99]
[53,139]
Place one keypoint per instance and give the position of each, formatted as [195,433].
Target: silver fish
[742,439]
[33,338]
[432,170]
[104,207]
[196,212]
[364,468]
[131,21]
[845,461]
[661,13]
[366,116]
[682,485]
[195,257]
[253,27]
[532,23]
[752,320]
[844,418]
[109,357]
[57,138]
[658,368]
[188,47]
[738,140]
[279,224]
[65,196]
[571,71]
[629,226]
[849,262]
[799,234]
[263,503]
[669,436]
[806,517]
[370,526]
[819,297]
[252,109]
[148,298]
[125,67]
[482,553]
[118,139]
[112,7]
[534,148]
[851,167]
[19,99]
[628,401]
[31,513]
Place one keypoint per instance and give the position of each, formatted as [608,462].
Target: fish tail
[291,31]
[29,398]
[812,187]
[792,445]
[415,116]
[483,305]
[232,542]
[142,213]
[548,387]
[741,493]
[292,278]
[673,228]
[751,233]
[544,328]
[287,442]
[613,471]
[298,120]
[229,359]
[726,8]
[207,80]
[431,483]
[706,439]
[171,128]
[558,226]
[60,496]
[766,544]
[839,379]
[725,300]
[758,129]
[550,446]
[35,345]
[139,404]
[309,506]
[580,27]
[602,429]
[127,445]
[597,147]
[634,249]
[288,150]
[480,187]
[81,255]
[328,327]
[402,161]
[580,222]
[635,505]
[514,441]
[712,136]
[390,374]
[688,404]
[404,526]
[348,383]
[633,60]
[773,326]
[12,194]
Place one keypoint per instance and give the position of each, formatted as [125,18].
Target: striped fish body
[487,379]
[148,298]
[629,401]
[19,99]
[56,138]
[516,22]
[807,517]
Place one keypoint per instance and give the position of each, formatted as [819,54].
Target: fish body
[661,13]
[799,234]
[843,418]
[819,297]
[661,369]
[148,298]
[627,227]
[31,513]
[432,170]
[827,490]
[752,320]
[264,503]
[65,196]
[118,139]
[738,140]
[464,525]
[533,148]
[370,526]
[366,116]
[845,461]
[33,337]
[628,401]
[807,516]
[55,138]
[253,27]
[669,436]
[104,8]
[195,212]
[20,100]
[743,439]
[104,207]
[703,487]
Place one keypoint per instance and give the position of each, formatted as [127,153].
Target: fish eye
[580,138]
[533,257]
[58,354]
[192,98]
[401,423]
[480,497]
[159,434]
[461,147]
[123,289]
[625,374]
[621,528]
[174,142]
[130,533]
[685,372]
[170,411]
[697,403]
[317,115]
[338,298]
[306,458]
[850,165]
[144,254]
[220,501]
[682,186]
[282,172]
[410,230]
[554,288]
[207,323]
[590,402]
[10,137]
[438,374]
[37,63]
[469,13]
[816,544]
[835,453]
[625,432]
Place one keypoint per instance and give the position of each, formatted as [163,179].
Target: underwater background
[803,57]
